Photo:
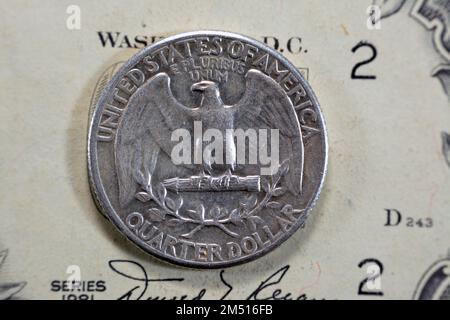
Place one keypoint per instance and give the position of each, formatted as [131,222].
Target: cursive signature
[268,289]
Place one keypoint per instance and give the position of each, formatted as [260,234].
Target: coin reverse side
[207,149]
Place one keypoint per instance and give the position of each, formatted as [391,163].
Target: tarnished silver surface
[155,164]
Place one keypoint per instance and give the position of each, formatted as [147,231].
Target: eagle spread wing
[145,129]
[153,114]
[266,105]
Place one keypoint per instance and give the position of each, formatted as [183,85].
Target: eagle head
[210,94]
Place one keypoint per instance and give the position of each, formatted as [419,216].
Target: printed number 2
[371,285]
[362,44]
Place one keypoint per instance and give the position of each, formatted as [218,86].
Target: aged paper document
[380,229]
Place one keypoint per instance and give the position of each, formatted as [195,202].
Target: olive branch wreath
[170,209]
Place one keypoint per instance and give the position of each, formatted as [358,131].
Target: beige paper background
[384,137]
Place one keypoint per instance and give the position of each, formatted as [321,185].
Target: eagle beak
[202,85]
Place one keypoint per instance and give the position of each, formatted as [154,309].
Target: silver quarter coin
[207,149]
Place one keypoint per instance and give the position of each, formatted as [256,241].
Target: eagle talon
[226,178]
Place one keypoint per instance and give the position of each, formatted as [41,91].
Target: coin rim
[99,193]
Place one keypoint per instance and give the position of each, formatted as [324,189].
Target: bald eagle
[153,113]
